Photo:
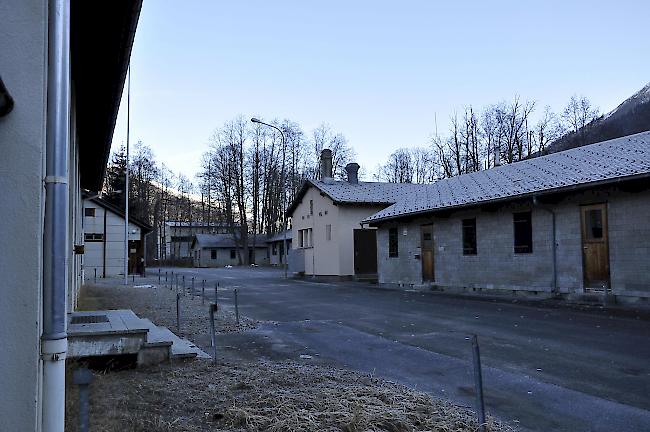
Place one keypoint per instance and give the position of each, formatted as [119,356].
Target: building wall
[203,257]
[277,259]
[496,266]
[349,219]
[93,257]
[23,32]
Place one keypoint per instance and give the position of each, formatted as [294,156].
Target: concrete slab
[181,348]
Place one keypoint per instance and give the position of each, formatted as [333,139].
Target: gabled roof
[280,236]
[211,241]
[601,163]
[368,193]
[118,211]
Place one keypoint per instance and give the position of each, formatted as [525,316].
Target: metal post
[213,333]
[165,276]
[95,274]
[216,290]
[183,290]
[192,286]
[158,276]
[133,276]
[478,383]
[178,312]
[236,307]
[83,377]
[203,292]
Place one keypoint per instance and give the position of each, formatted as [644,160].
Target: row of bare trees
[498,134]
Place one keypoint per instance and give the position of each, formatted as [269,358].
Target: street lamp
[284,211]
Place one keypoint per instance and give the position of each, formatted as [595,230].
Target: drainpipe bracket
[56,179]
[54,349]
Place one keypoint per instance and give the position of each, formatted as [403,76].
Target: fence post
[213,333]
[83,377]
[236,307]
[95,274]
[158,276]
[203,292]
[178,312]
[478,383]
[216,289]
[192,286]
[133,278]
[183,288]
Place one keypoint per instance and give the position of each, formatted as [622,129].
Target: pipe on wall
[54,343]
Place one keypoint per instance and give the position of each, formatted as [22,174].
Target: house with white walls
[103,227]
[63,68]
[220,250]
[328,238]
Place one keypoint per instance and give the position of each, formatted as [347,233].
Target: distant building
[276,247]
[328,239]
[570,223]
[219,250]
[177,237]
[103,226]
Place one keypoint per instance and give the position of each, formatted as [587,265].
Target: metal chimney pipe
[353,172]
[326,164]
[54,342]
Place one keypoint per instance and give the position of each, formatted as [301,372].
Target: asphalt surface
[544,368]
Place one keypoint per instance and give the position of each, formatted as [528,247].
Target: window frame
[93,237]
[91,210]
[213,254]
[525,220]
[233,254]
[472,249]
[393,242]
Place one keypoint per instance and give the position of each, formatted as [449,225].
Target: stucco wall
[496,266]
[22,140]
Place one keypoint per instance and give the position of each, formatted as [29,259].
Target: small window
[469,236]
[393,243]
[328,232]
[594,221]
[233,254]
[311,207]
[90,212]
[94,237]
[213,254]
[523,227]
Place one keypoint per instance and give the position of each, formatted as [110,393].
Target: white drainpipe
[54,342]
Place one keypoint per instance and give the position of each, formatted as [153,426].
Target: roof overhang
[101,38]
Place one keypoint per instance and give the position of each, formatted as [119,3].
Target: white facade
[104,241]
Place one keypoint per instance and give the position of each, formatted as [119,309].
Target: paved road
[544,368]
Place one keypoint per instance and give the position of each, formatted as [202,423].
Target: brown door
[427,252]
[595,249]
[365,251]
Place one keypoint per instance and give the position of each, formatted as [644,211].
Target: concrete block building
[220,250]
[276,244]
[570,223]
[328,239]
[62,66]
[103,226]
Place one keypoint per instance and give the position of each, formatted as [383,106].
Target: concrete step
[180,348]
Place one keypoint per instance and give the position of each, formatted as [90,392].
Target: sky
[383,73]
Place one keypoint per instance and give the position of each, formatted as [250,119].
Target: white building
[219,250]
[103,227]
[64,64]
[276,247]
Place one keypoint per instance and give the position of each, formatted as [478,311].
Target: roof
[207,241]
[118,211]
[198,224]
[595,164]
[369,193]
[280,236]
[101,37]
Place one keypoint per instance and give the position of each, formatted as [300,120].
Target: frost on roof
[607,160]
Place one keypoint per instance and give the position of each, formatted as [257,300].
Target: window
[393,244]
[90,212]
[233,254]
[328,232]
[594,224]
[274,248]
[523,227]
[469,236]
[94,237]
[305,238]
[213,254]
[311,207]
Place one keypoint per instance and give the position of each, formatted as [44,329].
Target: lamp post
[284,212]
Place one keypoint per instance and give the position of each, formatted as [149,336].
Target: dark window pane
[595,224]
[523,228]
[393,244]
[233,254]
[90,212]
[469,237]
[213,254]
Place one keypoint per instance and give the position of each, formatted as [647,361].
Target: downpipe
[54,343]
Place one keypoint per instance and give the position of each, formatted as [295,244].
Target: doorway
[365,252]
[426,242]
[595,247]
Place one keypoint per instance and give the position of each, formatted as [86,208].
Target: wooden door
[365,252]
[595,248]
[426,243]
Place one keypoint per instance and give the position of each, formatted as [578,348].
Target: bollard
[178,312]
[478,383]
[203,292]
[213,333]
[165,276]
[192,290]
[216,290]
[95,275]
[159,276]
[83,377]
[183,290]
[236,307]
